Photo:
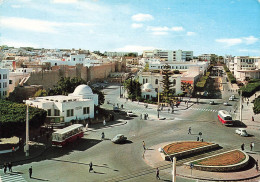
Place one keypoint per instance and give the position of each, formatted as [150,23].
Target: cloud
[259,1]
[177,29]
[158,28]
[235,41]
[137,25]
[191,33]
[142,17]
[64,1]
[249,50]
[160,33]
[17,43]
[16,6]
[35,25]
[250,39]
[134,48]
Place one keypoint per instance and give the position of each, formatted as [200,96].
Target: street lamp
[27,132]
[173,160]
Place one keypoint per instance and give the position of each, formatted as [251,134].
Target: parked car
[130,113]
[241,132]
[116,109]
[120,138]
[231,98]
[211,102]
[225,104]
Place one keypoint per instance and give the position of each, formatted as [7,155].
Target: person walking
[10,167]
[253,119]
[104,122]
[198,138]
[189,132]
[252,146]
[144,146]
[243,147]
[90,167]
[103,136]
[157,173]
[256,165]
[5,168]
[30,172]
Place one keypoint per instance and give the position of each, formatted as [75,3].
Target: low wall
[8,151]
[188,152]
[227,168]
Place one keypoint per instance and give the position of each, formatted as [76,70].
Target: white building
[181,66]
[148,91]
[155,79]
[4,83]
[246,67]
[169,55]
[118,54]
[78,105]
[207,57]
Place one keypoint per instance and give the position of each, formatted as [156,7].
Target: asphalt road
[113,160]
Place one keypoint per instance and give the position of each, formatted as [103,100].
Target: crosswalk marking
[13,177]
[203,109]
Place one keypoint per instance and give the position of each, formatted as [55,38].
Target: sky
[223,27]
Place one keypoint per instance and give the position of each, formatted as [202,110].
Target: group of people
[9,166]
[252,145]
[145,116]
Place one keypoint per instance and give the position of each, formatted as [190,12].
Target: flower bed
[225,159]
[183,146]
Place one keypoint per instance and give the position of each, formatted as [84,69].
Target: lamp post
[27,132]
[173,160]
[241,105]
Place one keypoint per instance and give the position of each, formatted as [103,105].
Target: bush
[13,118]
[250,89]
[256,107]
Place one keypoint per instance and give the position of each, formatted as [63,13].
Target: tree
[167,84]
[41,93]
[133,88]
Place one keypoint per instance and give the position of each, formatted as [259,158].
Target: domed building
[60,108]
[148,91]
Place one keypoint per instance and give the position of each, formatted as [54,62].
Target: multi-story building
[169,55]
[4,82]
[119,54]
[155,79]
[246,67]
[207,57]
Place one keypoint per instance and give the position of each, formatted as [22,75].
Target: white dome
[82,90]
[148,86]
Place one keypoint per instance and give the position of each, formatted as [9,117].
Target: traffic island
[185,148]
[224,162]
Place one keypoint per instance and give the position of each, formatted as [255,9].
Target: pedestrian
[252,146]
[13,150]
[103,136]
[5,168]
[198,138]
[189,132]
[253,119]
[122,106]
[104,122]
[140,116]
[90,167]
[243,147]
[10,165]
[30,172]
[256,165]
[247,103]
[144,146]
[168,110]
[157,173]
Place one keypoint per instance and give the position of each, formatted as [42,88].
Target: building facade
[78,105]
[4,83]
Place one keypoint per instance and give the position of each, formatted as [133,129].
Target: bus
[225,118]
[68,134]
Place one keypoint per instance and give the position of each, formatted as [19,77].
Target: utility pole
[241,105]
[174,169]
[158,100]
[27,132]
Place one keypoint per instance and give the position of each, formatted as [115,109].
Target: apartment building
[119,54]
[246,67]
[169,55]
[4,82]
[206,57]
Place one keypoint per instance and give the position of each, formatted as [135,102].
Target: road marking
[13,177]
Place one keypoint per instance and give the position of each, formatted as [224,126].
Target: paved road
[111,161]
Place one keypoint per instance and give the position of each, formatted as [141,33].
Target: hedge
[256,107]
[13,118]
[250,89]
[203,80]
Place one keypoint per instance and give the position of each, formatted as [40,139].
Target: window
[85,110]
[143,81]
[0,76]
[71,112]
[174,82]
[68,113]
[146,80]
[4,76]
[10,81]
[156,81]
[56,112]
[74,59]
[49,112]
[0,85]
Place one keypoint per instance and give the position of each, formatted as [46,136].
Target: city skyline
[220,27]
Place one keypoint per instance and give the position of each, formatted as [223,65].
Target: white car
[231,98]
[241,132]
[225,104]
[211,102]
[130,113]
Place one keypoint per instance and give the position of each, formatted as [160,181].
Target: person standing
[189,132]
[256,165]
[90,167]
[30,172]
[157,173]
[252,145]
[5,168]
[104,122]
[253,119]
[243,147]
[144,146]
[10,167]
[103,136]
